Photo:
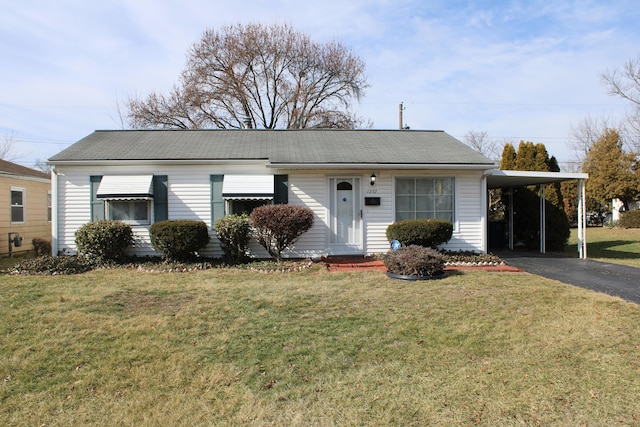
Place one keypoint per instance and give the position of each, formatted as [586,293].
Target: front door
[346,216]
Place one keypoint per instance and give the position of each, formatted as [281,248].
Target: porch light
[372,180]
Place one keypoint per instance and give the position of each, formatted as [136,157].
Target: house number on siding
[372,191]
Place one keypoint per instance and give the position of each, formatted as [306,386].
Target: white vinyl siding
[189,197]
[378,218]
[470,214]
[310,190]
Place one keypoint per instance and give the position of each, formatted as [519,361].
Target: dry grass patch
[231,347]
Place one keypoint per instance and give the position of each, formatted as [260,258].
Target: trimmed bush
[422,232]
[234,232]
[104,239]
[179,240]
[41,247]
[415,260]
[630,219]
[277,227]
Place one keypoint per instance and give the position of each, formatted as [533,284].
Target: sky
[517,70]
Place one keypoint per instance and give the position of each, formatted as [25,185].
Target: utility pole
[400,125]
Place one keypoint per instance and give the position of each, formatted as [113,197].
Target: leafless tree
[258,76]
[480,142]
[586,133]
[42,166]
[7,145]
[625,82]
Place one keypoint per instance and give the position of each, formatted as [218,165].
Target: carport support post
[510,218]
[582,220]
[543,221]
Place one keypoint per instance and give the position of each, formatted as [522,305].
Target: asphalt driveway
[612,279]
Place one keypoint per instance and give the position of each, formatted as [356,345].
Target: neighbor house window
[17,205]
[418,198]
[49,206]
[130,211]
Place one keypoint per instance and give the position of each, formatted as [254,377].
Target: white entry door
[346,216]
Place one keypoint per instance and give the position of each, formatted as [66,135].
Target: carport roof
[504,178]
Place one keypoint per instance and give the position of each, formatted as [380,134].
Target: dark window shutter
[281,189]
[97,205]
[160,198]
[217,202]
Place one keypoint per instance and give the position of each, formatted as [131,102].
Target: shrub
[277,227]
[179,240]
[234,232]
[41,247]
[415,260]
[421,232]
[630,219]
[104,239]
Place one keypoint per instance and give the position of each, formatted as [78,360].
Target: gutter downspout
[54,211]
[485,216]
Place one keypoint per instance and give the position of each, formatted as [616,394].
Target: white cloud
[512,68]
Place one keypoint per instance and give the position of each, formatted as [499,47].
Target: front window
[244,207]
[136,212]
[418,198]
[17,205]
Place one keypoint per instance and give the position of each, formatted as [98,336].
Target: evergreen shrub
[421,232]
[630,219]
[104,239]
[234,233]
[179,240]
[41,247]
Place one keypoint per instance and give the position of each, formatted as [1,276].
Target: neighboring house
[617,207]
[357,182]
[25,208]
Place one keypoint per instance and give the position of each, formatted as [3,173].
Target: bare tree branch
[7,145]
[480,142]
[272,76]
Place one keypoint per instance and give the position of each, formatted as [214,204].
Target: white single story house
[357,182]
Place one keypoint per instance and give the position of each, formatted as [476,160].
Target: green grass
[232,347]
[615,245]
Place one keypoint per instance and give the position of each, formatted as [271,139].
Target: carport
[508,179]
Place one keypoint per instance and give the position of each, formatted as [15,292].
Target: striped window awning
[248,187]
[125,187]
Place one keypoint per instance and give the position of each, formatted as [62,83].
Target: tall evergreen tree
[508,160]
[525,157]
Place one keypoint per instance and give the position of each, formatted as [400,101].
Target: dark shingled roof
[19,170]
[309,146]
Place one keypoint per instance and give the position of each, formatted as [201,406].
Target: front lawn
[616,245]
[234,347]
